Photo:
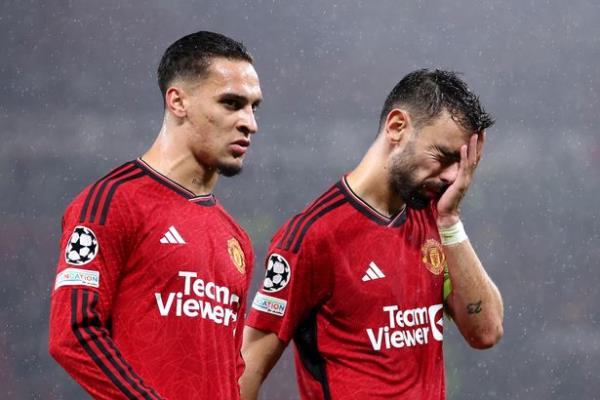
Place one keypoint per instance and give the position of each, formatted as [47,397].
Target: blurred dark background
[78,96]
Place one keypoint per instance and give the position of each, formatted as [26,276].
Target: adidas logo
[373,272]
[172,237]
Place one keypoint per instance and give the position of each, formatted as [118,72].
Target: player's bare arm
[261,351]
[475,303]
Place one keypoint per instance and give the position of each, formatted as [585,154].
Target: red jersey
[361,295]
[150,291]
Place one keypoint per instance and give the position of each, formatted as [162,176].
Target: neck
[370,181]
[170,156]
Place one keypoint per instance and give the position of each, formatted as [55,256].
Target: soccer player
[151,283]
[357,278]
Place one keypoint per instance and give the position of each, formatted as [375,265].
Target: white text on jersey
[192,301]
[407,328]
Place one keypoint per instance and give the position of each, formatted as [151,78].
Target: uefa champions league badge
[82,246]
[278,273]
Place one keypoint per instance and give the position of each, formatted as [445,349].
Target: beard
[405,183]
[229,170]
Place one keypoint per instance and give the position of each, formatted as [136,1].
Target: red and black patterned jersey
[150,290]
[361,296]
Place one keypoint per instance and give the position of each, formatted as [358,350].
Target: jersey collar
[364,208]
[203,199]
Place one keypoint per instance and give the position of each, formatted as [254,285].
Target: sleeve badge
[82,246]
[278,273]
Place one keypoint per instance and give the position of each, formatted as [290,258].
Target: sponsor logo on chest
[199,299]
[408,328]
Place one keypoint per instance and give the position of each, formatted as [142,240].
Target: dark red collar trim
[203,200]
[364,208]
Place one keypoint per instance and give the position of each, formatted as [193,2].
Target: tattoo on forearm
[474,308]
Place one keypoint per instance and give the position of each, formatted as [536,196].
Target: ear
[398,125]
[175,101]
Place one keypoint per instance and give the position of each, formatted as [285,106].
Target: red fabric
[112,338]
[331,309]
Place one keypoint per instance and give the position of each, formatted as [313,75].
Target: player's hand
[448,204]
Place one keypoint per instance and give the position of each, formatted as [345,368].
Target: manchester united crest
[433,256]
[237,255]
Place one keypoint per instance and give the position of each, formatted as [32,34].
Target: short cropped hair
[190,56]
[427,93]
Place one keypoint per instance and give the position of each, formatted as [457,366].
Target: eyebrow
[446,152]
[239,98]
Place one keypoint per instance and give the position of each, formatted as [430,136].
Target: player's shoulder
[315,224]
[231,222]
[94,203]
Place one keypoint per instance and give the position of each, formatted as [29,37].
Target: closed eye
[446,156]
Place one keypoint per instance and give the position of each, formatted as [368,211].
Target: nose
[449,174]
[247,123]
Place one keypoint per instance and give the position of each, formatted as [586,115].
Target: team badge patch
[82,246]
[433,256]
[277,275]
[237,255]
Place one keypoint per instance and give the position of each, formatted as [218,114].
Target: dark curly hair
[427,93]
